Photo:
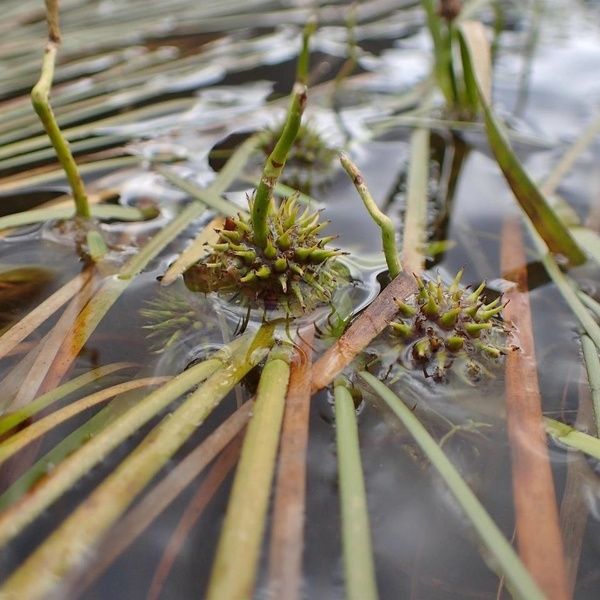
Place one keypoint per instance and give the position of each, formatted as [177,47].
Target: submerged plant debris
[231,383]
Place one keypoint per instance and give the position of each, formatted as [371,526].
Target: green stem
[415,220]
[42,573]
[592,366]
[359,567]
[71,469]
[40,98]
[22,438]
[531,199]
[274,166]
[388,233]
[234,569]
[502,556]
[10,420]
[569,436]
[302,68]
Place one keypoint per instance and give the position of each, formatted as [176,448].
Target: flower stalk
[274,164]
[40,98]
[388,232]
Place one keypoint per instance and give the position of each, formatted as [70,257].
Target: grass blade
[30,322]
[12,419]
[194,252]
[215,477]
[65,549]
[20,439]
[285,554]
[503,558]
[552,230]
[359,566]
[162,495]
[102,211]
[415,220]
[234,569]
[72,468]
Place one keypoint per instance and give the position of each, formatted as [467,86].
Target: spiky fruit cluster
[310,157]
[172,315]
[294,272]
[443,327]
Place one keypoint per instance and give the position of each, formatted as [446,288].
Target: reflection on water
[423,545]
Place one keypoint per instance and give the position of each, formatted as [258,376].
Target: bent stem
[359,567]
[40,98]
[274,165]
[388,233]
[66,548]
[233,573]
[505,560]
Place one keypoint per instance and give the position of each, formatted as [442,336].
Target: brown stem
[370,324]
[574,510]
[536,514]
[285,556]
[193,512]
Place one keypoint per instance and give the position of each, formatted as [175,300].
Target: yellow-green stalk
[40,98]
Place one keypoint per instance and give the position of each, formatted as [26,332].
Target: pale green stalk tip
[388,232]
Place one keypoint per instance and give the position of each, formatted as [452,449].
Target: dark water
[545,88]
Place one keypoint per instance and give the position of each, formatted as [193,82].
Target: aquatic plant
[294,270]
[444,328]
[275,257]
[171,315]
[423,322]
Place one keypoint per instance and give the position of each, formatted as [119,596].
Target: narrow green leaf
[359,565]
[503,558]
[532,201]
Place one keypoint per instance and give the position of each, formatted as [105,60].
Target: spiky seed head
[172,314]
[295,271]
[445,326]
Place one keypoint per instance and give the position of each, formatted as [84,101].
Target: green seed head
[444,327]
[295,271]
